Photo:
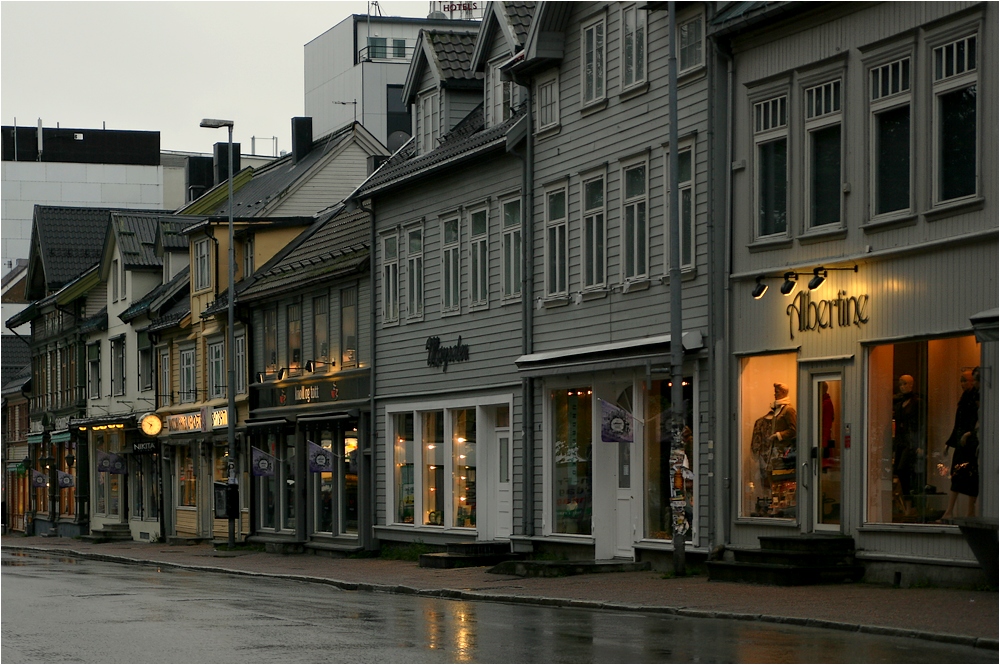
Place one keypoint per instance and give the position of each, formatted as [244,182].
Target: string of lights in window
[791,279]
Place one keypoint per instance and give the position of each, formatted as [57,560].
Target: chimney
[222,161]
[302,138]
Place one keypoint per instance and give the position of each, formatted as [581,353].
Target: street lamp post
[230,342]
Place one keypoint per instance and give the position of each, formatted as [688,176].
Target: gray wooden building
[864,196]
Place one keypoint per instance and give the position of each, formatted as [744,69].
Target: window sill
[482,307]
[635,285]
[594,107]
[555,301]
[943,210]
[834,233]
[546,132]
[594,293]
[512,300]
[450,312]
[909,528]
[390,324]
[635,90]
[874,225]
[417,318]
[769,244]
[687,274]
[692,74]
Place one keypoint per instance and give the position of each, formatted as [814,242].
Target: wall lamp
[791,278]
[759,289]
[278,376]
[311,365]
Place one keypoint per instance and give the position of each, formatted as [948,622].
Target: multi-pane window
[633,46]
[216,370]
[890,107]
[770,120]
[349,327]
[594,233]
[690,43]
[479,257]
[164,391]
[118,366]
[415,272]
[823,121]
[202,264]
[93,370]
[430,122]
[114,280]
[248,255]
[321,329]
[390,278]
[510,211]
[294,323]
[240,364]
[271,339]
[399,48]
[548,102]
[146,368]
[592,62]
[501,94]
[685,203]
[556,268]
[450,265]
[634,227]
[188,389]
[956,124]
[377,47]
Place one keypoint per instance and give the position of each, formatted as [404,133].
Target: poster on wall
[616,423]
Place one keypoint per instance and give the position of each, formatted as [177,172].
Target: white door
[613,469]
[625,476]
[503,500]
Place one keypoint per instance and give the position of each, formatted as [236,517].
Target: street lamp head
[215,123]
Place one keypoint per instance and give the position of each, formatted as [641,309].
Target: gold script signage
[806,314]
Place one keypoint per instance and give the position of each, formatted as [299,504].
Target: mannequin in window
[907,448]
[784,421]
[826,425]
[773,439]
[965,440]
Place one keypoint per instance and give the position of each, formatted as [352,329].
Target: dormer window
[429,119]
[202,265]
[501,96]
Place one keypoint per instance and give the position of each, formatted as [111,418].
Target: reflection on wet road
[60,609]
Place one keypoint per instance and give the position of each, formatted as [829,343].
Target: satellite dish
[396,140]
[437,15]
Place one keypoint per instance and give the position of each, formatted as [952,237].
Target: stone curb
[545,601]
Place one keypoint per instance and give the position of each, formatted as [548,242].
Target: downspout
[368,541]
[725,455]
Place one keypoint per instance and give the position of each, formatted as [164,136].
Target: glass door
[827,447]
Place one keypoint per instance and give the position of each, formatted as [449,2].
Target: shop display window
[349,461]
[923,430]
[572,459]
[324,487]
[288,478]
[463,432]
[67,495]
[403,455]
[768,436]
[432,449]
[670,475]
[269,487]
[187,481]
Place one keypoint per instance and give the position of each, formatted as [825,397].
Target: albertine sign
[841,311]
[440,356]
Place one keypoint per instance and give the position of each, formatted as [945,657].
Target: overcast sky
[165,65]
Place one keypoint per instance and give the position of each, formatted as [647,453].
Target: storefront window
[923,430]
[432,447]
[463,429]
[403,455]
[269,486]
[668,477]
[100,481]
[349,474]
[324,497]
[187,481]
[572,468]
[67,495]
[768,436]
[288,482]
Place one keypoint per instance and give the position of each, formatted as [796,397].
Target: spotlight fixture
[759,289]
[260,377]
[789,284]
[819,276]
[282,373]
[311,365]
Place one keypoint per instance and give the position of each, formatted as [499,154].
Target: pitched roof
[142,305]
[95,323]
[172,316]
[16,355]
[17,381]
[468,139]
[69,241]
[512,19]
[449,53]
[519,15]
[333,247]
[170,234]
[20,265]
[135,233]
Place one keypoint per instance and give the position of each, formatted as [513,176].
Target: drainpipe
[725,456]
[368,539]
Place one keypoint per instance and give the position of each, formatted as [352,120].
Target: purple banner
[320,459]
[66,479]
[103,461]
[38,479]
[616,423]
[117,464]
[263,464]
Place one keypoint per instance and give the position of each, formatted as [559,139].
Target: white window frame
[638,40]
[145,369]
[682,26]
[118,366]
[164,390]
[249,248]
[502,95]
[451,267]
[114,280]
[595,259]
[240,363]
[638,203]
[599,84]
[688,226]
[216,353]
[880,103]
[390,278]
[513,269]
[547,101]
[429,117]
[556,245]
[414,272]
[769,124]
[94,372]
[829,95]
[202,264]
[479,259]
[188,387]
[948,84]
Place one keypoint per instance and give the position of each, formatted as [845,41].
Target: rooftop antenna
[39,139]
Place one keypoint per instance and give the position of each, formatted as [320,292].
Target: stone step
[815,543]
[793,558]
[566,568]
[462,560]
[479,547]
[775,574]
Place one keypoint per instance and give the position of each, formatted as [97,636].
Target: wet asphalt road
[62,609]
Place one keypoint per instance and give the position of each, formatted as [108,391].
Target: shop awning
[62,436]
[320,417]
[267,422]
[35,439]
[598,357]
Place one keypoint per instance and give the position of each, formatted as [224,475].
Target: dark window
[294,336]
[892,160]
[397,113]
[773,187]
[826,176]
[958,143]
